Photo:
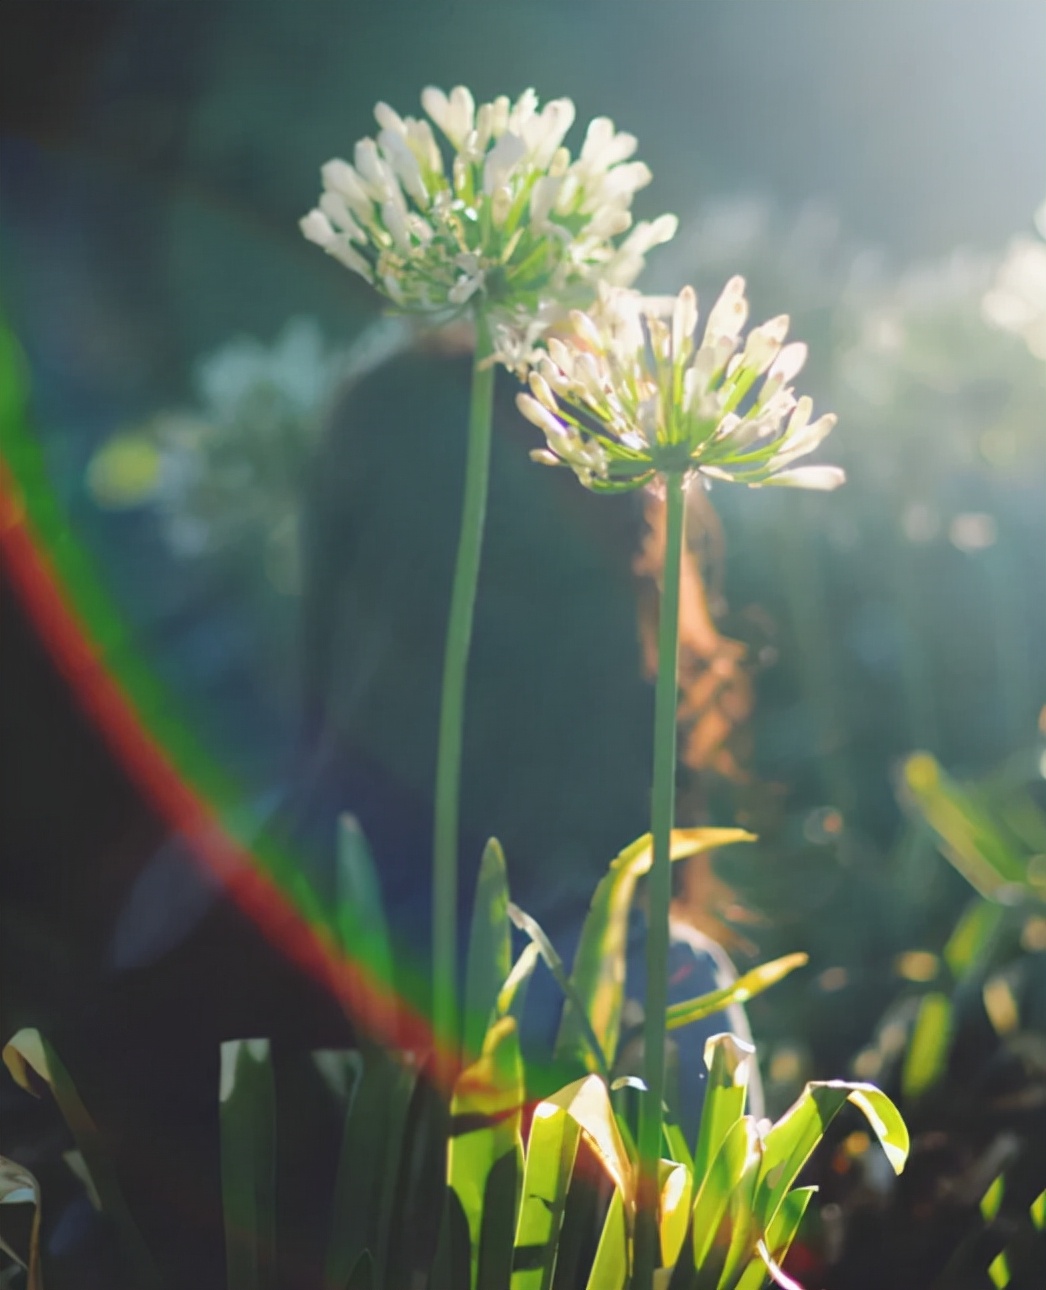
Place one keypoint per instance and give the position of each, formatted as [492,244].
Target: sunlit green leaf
[677,1194]
[485,1127]
[746,1227]
[992,1199]
[610,1267]
[598,976]
[968,836]
[927,1053]
[711,1223]
[588,1102]
[489,948]
[971,936]
[247,1103]
[779,1237]
[550,1153]
[729,1061]
[744,988]
[789,1143]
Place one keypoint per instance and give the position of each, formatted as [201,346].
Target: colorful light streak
[83,631]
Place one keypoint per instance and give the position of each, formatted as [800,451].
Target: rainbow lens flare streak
[83,632]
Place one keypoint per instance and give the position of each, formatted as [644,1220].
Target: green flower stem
[659,885]
[452,707]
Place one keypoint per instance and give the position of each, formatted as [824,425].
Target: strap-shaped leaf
[610,1267]
[368,1165]
[746,1231]
[587,1101]
[677,1195]
[788,1145]
[744,988]
[490,947]
[247,1105]
[729,1061]
[596,1056]
[18,1187]
[711,1221]
[968,836]
[974,933]
[451,1266]
[598,977]
[512,996]
[778,1240]
[927,1054]
[485,1127]
[551,1150]
[364,934]
[362,1275]
[30,1058]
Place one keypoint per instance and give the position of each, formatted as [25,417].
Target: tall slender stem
[659,885]
[452,709]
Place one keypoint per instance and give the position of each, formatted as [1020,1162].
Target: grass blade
[489,950]
[550,1154]
[248,1153]
[744,988]
[363,933]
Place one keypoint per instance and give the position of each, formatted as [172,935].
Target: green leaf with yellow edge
[744,988]
[485,1126]
[927,1053]
[610,1267]
[588,1102]
[31,1060]
[489,949]
[729,1061]
[598,976]
[966,833]
[789,1143]
[247,1107]
[550,1154]
[712,1220]
[18,1187]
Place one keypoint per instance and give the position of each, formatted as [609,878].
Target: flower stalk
[659,884]
[452,707]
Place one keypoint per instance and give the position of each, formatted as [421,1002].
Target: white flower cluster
[509,222]
[628,393]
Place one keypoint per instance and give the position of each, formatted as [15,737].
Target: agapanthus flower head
[627,392]
[497,214]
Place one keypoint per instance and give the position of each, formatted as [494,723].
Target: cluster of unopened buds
[626,392]
[498,216]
